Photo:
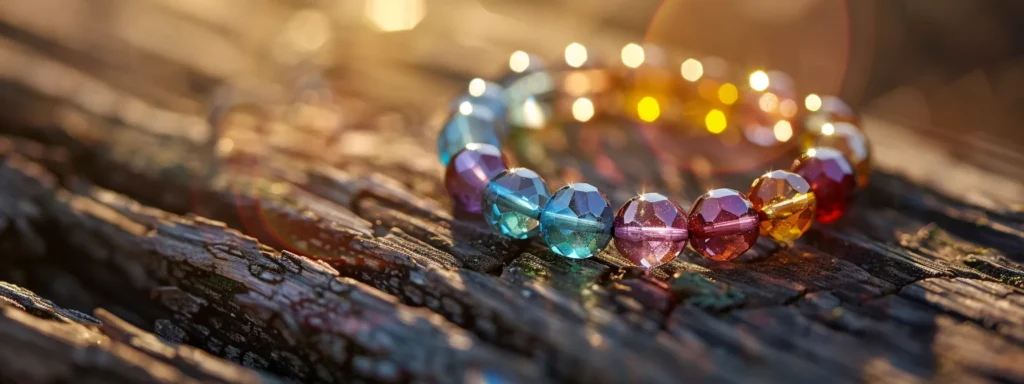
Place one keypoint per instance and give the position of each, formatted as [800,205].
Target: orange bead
[785,203]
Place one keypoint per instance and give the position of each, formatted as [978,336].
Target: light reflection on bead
[831,178]
[577,221]
[479,126]
[650,230]
[513,201]
[723,224]
[469,172]
[785,203]
[846,138]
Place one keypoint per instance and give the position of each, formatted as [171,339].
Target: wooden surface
[308,257]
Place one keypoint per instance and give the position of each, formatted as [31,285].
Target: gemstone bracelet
[577,220]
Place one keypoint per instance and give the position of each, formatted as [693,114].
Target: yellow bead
[785,203]
[846,138]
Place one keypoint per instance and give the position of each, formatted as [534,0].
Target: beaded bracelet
[576,221]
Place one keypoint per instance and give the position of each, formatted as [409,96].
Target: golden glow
[632,55]
[828,129]
[768,102]
[728,93]
[812,152]
[759,81]
[582,109]
[648,109]
[575,55]
[707,89]
[519,61]
[533,115]
[787,108]
[466,108]
[715,121]
[308,30]
[692,69]
[576,84]
[477,87]
[395,15]
[783,130]
[812,102]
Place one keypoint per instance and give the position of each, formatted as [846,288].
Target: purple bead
[723,224]
[650,230]
[469,172]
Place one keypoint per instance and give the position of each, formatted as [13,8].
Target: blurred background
[386,73]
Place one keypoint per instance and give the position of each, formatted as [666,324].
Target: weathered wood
[915,285]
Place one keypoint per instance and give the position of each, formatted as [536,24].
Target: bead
[467,125]
[723,224]
[785,203]
[650,230]
[831,178]
[512,202]
[832,109]
[846,138]
[577,221]
[470,171]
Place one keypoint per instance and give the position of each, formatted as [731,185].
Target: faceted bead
[723,224]
[650,230]
[846,138]
[470,171]
[467,125]
[831,178]
[512,203]
[577,221]
[785,203]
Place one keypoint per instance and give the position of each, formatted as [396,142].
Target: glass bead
[469,173]
[577,221]
[831,178]
[846,138]
[513,201]
[785,203]
[723,224]
[467,126]
[650,230]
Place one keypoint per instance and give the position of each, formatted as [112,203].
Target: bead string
[576,221]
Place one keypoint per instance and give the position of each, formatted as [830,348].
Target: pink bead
[723,224]
[469,172]
[650,230]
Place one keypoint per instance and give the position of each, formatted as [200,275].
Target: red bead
[469,172]
[832,180]
[650,230]
[723,224]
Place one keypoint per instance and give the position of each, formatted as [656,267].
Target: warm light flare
[788,108]
[759,81]
[812,102]
[519,61]
[575,55]
[582,109]
[477,87]
[632,55]
[728,93]
[395,15]
[828,129]
[715,121]
[648,109]
[768,102]
[692,69]
[783,131]
[466,108]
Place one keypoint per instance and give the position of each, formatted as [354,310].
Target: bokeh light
[519,61]
[648,109]
[783,130]
[828,129]
[477,87]
[582,109]
[575,55]
[692,69]
[768,102]
[812,102]
[715,121]
[788,108]
[632,55]
[728,93]
[466,108]
[395,15]
[759,81]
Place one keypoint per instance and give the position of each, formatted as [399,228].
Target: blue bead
[512,202]
[467,126]
[577,221]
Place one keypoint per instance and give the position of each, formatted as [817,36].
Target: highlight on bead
[692,70]
[477,87]
[582,109]
[519,61]
[728,93]
[759,81]
[812,102]
[715,121]
[575,55]
[632,55]
[648,109]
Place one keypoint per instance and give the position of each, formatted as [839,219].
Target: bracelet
[577,220]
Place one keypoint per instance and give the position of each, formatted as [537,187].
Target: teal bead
[512,203]
[577,221]
[467,126]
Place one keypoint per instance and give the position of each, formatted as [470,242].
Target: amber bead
[785,203]
[846,138]
[831,178]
